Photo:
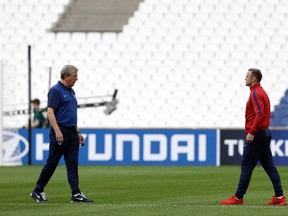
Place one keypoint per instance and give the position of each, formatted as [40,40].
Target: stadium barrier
[188,147]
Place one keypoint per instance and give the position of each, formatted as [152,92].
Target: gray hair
[67,70]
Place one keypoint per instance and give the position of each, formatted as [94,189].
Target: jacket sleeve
[258,106]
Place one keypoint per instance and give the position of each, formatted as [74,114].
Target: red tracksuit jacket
[257,113]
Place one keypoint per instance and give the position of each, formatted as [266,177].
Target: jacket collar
[254,86]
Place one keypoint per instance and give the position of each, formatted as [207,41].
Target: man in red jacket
[257,146]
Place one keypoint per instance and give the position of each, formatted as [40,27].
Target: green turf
[138,191]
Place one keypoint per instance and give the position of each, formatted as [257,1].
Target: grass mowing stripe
[138,190]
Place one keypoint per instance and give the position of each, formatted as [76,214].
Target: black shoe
[80,198]
[38,196]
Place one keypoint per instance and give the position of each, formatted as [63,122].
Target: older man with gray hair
[64,136]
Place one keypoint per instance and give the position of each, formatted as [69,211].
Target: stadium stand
[176,63]
[96,16]
[280,117]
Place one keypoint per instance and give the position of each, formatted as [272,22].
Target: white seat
[78,37]
[63,37]
[93,37]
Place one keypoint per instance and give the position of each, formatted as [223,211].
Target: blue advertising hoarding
[131,147]
[145,147]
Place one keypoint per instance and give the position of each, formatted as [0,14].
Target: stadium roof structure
[95,16]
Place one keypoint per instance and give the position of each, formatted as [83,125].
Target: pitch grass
[139,190]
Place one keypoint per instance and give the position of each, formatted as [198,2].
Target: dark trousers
[70,149]
[258,150]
